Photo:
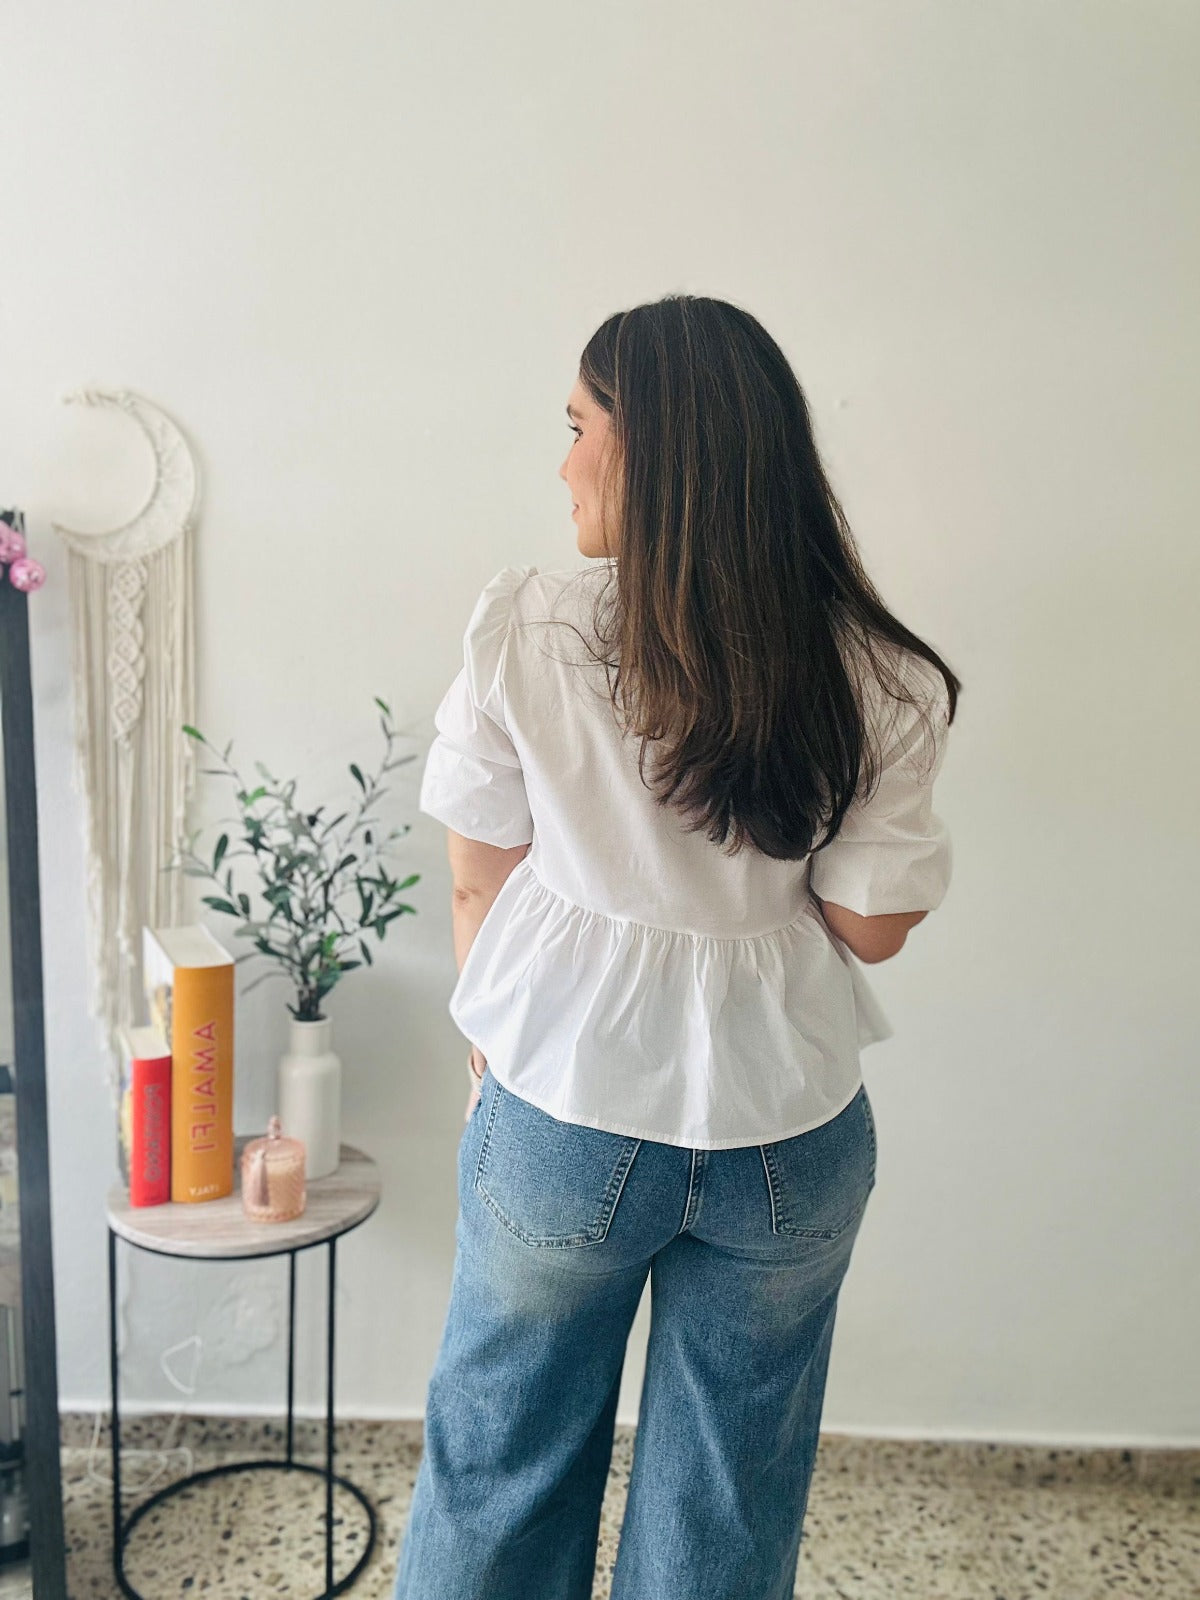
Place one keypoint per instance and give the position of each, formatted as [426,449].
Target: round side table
[219,1230]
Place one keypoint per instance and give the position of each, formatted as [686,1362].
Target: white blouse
[629,976]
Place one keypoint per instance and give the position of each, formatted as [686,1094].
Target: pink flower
[12,543]
[27,574]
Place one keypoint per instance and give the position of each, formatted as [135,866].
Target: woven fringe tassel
[134,766]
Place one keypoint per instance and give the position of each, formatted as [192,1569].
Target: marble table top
[220,1228]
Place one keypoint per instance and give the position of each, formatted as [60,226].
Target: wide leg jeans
[558,1227]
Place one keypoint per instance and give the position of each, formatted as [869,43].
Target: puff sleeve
[893,852]
[472,779]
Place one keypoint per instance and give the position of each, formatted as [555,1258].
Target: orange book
[188,978]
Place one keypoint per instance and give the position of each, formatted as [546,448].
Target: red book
[144,1128]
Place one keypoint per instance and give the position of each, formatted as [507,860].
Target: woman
[673,844]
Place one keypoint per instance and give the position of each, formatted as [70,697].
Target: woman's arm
[479,872]
[871,939]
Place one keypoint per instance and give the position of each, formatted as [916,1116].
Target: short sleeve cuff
[476,797]
[876,879]
[473,781]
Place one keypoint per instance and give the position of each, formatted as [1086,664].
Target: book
[188,979]
[144,1120]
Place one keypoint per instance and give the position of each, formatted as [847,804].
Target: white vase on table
[310,1095]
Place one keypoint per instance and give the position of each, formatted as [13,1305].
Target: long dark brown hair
[743,620]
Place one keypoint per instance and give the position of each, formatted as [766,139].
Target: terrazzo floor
[885,1519]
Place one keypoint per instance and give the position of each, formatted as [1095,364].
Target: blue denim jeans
[558,1226]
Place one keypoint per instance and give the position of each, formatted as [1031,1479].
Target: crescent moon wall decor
[133,637]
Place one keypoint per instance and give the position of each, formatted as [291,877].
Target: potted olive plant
[326,890]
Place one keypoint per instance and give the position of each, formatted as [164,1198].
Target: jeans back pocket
[552,1183]
[819,1181]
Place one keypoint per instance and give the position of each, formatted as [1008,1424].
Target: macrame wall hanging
[133,637]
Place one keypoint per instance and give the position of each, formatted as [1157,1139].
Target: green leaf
[220,905]
[382,706]
[244,902]
[367,956]
[345,966]
[193,733]
[358,775]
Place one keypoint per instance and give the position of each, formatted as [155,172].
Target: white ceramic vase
[310,1095]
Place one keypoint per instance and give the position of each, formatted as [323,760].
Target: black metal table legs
[123,1527]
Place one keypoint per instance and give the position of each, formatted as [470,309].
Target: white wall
[356,251]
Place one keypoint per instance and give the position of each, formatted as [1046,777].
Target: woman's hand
[476,1063]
